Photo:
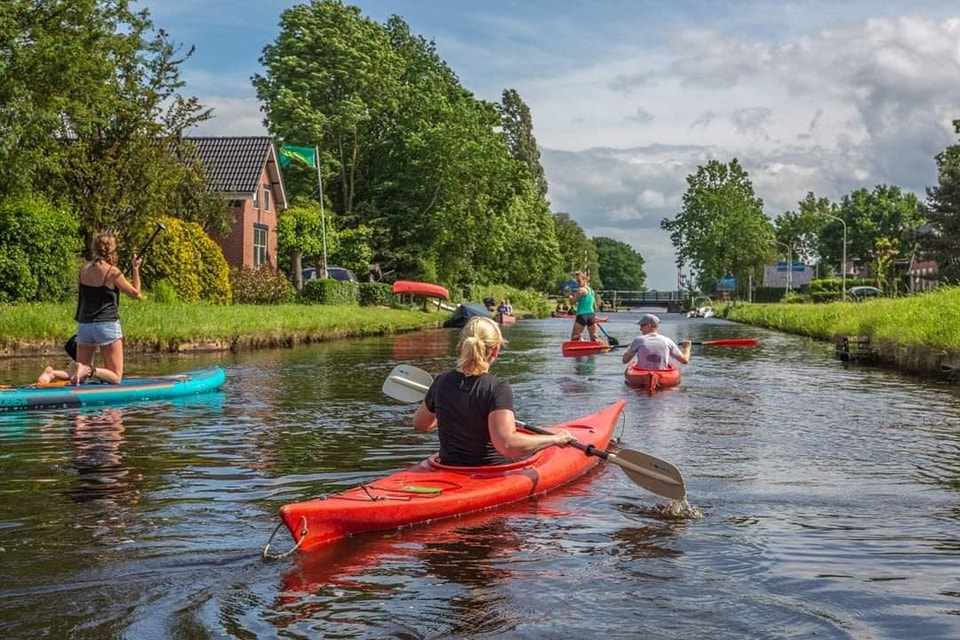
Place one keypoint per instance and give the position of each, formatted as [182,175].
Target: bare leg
[112,370]
[85,356]
[50,374]
[577,333]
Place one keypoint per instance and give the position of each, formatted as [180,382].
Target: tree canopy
[407,151]
[721,231]
[621,268]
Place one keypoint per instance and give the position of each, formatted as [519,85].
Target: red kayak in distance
[651,379]
[574,348]
[421,289]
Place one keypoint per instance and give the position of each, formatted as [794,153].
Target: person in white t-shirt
[652,351]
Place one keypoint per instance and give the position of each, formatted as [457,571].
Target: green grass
[929,320]
[157,326]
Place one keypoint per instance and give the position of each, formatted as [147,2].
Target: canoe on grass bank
[425,289]
[651,379]
[61,394]
[431,491]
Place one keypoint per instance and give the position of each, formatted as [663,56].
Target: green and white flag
[306,156]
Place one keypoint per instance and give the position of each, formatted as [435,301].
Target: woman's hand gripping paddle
[409,384]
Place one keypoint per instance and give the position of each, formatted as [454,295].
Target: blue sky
[628,97]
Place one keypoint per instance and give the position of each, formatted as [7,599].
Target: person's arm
[514,444]
[684,356]
[131,289]
[630,352]
[424,419]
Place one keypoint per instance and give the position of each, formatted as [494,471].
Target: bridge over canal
[671,301]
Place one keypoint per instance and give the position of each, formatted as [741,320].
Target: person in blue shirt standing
[583,300]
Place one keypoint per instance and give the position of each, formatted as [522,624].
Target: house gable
[245,171]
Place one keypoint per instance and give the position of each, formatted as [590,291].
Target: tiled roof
[235,163]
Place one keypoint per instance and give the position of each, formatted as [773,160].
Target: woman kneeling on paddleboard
[472,409]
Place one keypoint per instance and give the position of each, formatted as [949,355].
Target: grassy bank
[32,329]
[919,333]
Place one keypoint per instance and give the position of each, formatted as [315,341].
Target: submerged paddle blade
[407,384]
[653,474]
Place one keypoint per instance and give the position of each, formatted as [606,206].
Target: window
[256,198]
[266,198]
[259,245]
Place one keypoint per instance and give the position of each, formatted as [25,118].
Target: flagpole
[323,220]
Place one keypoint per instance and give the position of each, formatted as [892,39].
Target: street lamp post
[843,267]
[789,263]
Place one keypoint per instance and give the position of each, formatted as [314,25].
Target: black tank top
[98,304]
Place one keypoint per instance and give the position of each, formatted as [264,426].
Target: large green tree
[518,127]
[92,114]
[405,149]
[940,240]
[722,230]
[621,268]
[878,222]
[578,253]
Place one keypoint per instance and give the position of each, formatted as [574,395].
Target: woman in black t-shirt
[472,409]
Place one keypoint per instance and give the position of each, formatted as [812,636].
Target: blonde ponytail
[478,338]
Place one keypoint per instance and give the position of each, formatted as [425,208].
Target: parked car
[337,273]
[862,293]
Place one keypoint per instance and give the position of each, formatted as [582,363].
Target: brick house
[245,171]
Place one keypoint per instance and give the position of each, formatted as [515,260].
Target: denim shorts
[99,333]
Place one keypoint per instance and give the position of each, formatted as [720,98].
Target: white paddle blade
[653,474]
[407,384]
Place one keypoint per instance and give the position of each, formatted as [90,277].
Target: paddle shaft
[149,242]
[729,342]
[613,341]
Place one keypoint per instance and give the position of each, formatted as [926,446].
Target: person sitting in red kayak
[472,409]
[653,351]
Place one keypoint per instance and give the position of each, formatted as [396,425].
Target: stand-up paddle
[613,341]
[410,384]
[71,345]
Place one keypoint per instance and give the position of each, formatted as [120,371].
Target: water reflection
[102,474]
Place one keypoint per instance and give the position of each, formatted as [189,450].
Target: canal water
[824,501]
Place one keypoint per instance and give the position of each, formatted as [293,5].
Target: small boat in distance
[424,289]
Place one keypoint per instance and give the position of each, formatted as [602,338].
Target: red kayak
[574,348]
[431,491]
[651,379]
[505,319]
[421,289]
[571,316]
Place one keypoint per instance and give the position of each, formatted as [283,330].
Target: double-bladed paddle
[729,342]
[410,384]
